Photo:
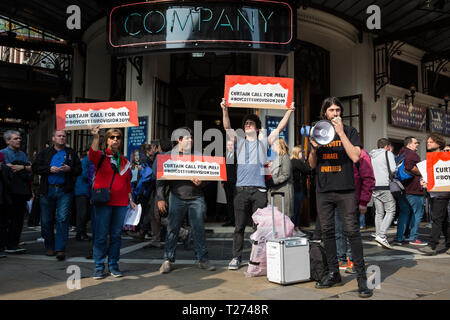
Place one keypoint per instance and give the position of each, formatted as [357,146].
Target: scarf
[118,161]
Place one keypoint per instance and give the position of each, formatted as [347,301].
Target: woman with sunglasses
[112,172]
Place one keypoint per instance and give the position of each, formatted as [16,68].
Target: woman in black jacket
[300,170]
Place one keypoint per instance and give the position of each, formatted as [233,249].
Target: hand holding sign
[162,207]
[196,182]
[292,106]
[95,130]
[223,104]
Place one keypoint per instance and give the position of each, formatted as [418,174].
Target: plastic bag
[257,265]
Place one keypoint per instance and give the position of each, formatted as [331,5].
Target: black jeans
[246,202]
[439,217]
[345,202]
[11,223]
[83,213]
[230,192]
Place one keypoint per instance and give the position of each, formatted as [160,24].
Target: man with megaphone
[335,188]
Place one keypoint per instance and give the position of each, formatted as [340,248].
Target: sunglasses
[114,137]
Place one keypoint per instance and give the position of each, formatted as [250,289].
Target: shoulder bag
[102,195]
[395,186]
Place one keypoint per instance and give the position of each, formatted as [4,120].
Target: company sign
[148,27]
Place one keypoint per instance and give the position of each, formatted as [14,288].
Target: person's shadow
[138,280]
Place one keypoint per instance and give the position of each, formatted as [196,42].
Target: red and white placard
[259,92]
[80,116]
[187,167]
[438,171]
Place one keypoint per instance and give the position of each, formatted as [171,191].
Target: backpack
[402,174]
[141,192]
[318,262]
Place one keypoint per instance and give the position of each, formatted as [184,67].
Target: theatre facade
[172,57]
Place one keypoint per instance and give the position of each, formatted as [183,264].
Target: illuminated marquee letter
[74,20]
[145,21]
[126,24]
[204,20]
[266,21]
[252,25]
[175,14]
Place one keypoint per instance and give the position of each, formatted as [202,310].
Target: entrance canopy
[424,24]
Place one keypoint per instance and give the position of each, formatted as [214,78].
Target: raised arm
[283,123]
[353,152]
[226,121]
[225,117]
[96,140]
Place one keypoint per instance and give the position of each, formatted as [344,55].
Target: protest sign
[137,136]
[438,171]
[80,116]
[259,92]
[187,167]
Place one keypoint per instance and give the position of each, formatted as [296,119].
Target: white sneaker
[234,264]
[298,233]
[383,242]
[166,267]
[373,235]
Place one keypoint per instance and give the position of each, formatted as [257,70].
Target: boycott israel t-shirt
[334,171]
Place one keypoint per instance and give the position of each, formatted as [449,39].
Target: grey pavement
[405,274]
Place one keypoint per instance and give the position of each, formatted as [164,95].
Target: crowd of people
[104,184]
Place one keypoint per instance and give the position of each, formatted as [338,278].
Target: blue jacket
[82,183]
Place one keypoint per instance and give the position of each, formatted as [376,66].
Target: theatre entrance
[194,93]
[311,86]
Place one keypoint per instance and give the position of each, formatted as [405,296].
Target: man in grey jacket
[382,197]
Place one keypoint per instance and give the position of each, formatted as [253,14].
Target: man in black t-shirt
[335,188]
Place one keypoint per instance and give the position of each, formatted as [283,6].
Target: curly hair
[254,118]
[439,139]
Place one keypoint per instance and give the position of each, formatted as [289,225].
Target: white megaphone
[323,132]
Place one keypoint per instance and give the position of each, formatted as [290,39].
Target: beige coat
[281,171]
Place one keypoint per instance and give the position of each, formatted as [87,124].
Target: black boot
[330,280]
[363,291]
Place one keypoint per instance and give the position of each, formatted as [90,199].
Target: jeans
[410,209]
[345,203]
[246,202]
[362,220]
[230,193]
[83,208]
[196,209]
[107,220]
[384,204]
[57,204]
[439,216]
[11,223]
[341,239]
[298,199]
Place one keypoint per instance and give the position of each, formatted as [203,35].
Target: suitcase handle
[277,193]
[272,195]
